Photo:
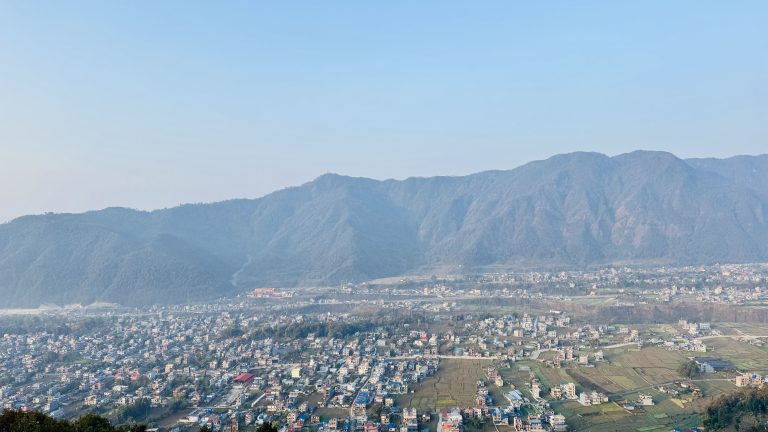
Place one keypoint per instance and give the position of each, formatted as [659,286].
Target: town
[528,351]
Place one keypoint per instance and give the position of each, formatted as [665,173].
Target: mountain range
[569,211]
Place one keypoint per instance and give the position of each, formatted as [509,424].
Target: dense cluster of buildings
[328,361]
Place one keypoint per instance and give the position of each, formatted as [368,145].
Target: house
[244,380]
[410,420]
[569,390]
[450,421]
[557,422]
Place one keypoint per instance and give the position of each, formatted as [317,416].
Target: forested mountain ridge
[569,211]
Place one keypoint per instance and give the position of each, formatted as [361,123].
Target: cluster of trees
[338,329]
[231,332]
[26,324]
[689,369]
[33,421]
[265,427]
[745,410]
[177,404]
[320,329]
[18,421]
[135,412]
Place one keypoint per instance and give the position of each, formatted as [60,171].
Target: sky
[150,104]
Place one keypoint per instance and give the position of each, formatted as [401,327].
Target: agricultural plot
[452,385]
[521,379]
[515,375]
[607,379]
[328,412]
[630,369]
[653,357]
[714,388]
[629,373]
[551,377]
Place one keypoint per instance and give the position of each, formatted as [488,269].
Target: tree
[267,427]
[731,409]
[689,369]
[177,404]
[132,428]
[92,423]
[19,421]
[134,412]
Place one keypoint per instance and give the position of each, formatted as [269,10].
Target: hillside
[570,211]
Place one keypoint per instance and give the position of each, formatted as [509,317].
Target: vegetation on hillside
[20,421]
[745,410]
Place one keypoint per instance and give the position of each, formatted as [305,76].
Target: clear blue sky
[149,104]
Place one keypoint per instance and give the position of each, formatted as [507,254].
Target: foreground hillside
[572,210]
[18,421]
[745,410]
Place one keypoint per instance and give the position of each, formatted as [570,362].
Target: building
[569,390]
[244,380]
[450,421]
[645,400]
[410,419]
[712,364]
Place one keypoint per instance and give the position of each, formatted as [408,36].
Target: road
[441,356]
[619,345]
[736,337]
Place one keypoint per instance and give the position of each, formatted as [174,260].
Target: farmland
[452,385]
[743,355]
[625,374]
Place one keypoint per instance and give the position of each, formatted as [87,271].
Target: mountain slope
[571,210]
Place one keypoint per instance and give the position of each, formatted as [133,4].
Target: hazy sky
[149,104]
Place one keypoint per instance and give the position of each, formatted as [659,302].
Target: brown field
[328,412]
